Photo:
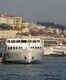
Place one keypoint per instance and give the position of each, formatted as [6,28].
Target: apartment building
[8,19]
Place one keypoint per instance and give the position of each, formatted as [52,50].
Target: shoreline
[54,56]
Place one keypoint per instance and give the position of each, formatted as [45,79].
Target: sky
[36,10]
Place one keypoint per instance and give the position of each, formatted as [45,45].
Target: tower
[18,26]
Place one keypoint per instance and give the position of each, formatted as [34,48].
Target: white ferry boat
[23,50]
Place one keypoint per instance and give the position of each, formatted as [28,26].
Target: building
[8,19]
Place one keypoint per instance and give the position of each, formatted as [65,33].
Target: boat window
[14,48]
[9,48]
[35,47]
[38,46]
[38,41]
[23,41]
[8,41]
[34,41]
[18,41]
[29,40]
[12,41]
[19,47]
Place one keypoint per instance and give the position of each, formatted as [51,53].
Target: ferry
[24,47]
[23,50]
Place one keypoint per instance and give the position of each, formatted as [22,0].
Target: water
[48,69]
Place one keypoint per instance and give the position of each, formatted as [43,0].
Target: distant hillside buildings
[44,29]
[8,19]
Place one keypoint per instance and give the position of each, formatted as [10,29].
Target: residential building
[8,19]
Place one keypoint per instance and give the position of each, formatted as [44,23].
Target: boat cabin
[15,44]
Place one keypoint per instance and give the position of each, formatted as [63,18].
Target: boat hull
[24,56]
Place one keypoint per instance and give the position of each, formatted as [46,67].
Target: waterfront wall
[59,50]
[48,51]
